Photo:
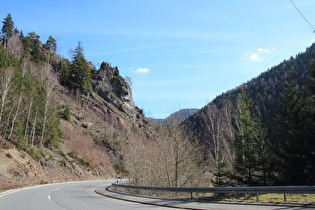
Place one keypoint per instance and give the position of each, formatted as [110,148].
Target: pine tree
[65,68]
[51,44]
[221,175]
[36,51]
[245,155]
[80,71]
[251,146]
[265,169]
[8,27]
[310,126]
[293,144]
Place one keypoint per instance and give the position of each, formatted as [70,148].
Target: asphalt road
[60,196]
[82,196]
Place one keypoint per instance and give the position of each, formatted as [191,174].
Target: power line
[303,16]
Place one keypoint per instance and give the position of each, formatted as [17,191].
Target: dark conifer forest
[264,130]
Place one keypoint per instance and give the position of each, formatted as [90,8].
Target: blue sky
[178,53]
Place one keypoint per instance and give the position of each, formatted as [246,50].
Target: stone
[113,88]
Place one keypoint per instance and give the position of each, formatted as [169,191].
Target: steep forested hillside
[267,89]
[219,125]
[66,119]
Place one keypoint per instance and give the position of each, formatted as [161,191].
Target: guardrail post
[191,195]
[257,197]
[285,197]
[172,194]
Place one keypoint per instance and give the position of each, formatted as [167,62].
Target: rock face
[113,88]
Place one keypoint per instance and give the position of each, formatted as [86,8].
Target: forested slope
[66,119]
[277,97]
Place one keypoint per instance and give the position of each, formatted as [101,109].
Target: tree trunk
[27,120]
[15,116]
[34,128]
[5,88]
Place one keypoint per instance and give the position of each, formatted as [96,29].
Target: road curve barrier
[230,190]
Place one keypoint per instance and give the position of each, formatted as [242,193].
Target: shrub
[65,113]
[63,162]
[73,154]
[38,154]
[120,168]
[35,153]
[85,125]
[85,162]
[115,135]
[50,157]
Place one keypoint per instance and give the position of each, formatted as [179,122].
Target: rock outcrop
[113,88]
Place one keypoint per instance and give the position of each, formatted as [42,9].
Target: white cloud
[258,55]
[263,50]
[255,57]
[142,71]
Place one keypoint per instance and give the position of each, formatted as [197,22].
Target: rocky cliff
[113,88]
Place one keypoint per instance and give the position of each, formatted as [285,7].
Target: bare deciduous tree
[219,138]
[17,112]
[14,46]
[218,124]
[172,159]
[134,157]
[49,87]
[28,118]
[5,87]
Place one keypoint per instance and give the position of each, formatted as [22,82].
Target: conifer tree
[293,142]
[221,174]
[245,154]
[80,71]
[310,126]
[251,146]
[51,44]
[35,43]
[8,27]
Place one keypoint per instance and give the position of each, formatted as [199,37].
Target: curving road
[81,196]
[71,195]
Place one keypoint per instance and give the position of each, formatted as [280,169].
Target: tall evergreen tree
[310,125]
[245,154]
[35,47]
[252,153]
[8,27]
[80,76]
[293,142]
[51,44]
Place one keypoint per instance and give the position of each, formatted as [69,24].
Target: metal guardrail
[242,190]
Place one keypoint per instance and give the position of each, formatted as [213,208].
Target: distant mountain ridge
[176,117]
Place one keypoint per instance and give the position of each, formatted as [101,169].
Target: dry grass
[291,198]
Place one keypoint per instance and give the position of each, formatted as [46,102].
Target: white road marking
[9,192]
[49,197]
